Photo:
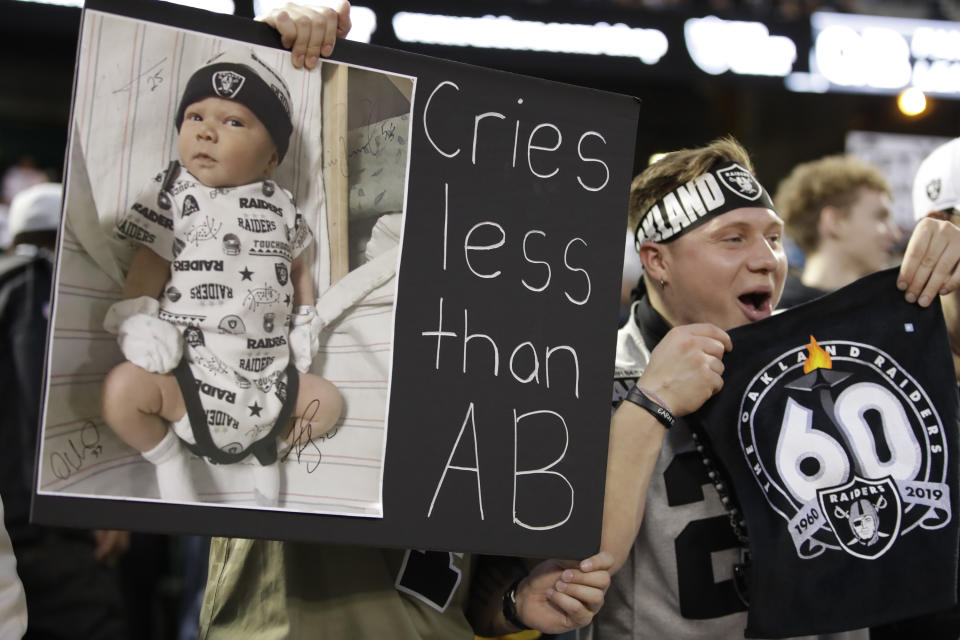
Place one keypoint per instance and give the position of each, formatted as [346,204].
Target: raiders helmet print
[163,200]
[231,244]
[232,325]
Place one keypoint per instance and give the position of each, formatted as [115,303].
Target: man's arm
[684,371]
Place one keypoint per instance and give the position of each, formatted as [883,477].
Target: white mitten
[145,340]
[120,311]
[305,337]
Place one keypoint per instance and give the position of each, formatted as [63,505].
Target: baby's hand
[310,31]
[145,340]
[150,343]
[305,339]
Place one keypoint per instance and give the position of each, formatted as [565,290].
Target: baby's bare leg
[139,406]
[318,407]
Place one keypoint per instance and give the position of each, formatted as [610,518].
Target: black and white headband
[725,187]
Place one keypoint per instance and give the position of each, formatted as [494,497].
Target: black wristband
[659,412]
[510,605]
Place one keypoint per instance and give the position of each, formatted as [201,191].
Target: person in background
[837,209]
[936,195]
[20,176]
[13,604]
[68,575]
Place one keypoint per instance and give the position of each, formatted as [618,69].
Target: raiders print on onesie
[229,239]
[230,251]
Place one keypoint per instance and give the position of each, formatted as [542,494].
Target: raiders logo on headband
[740,181]
[725,187]
[809,424]
[933,189]
[227,84]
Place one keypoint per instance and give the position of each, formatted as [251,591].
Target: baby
[219,298]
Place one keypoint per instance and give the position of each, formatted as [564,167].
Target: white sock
[266,484]
[173,472]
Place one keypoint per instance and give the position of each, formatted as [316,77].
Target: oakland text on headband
[725,187]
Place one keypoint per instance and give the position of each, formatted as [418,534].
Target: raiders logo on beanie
[247,80]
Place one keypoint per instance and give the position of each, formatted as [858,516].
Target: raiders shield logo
[740,181]
[227,84]
[933,189]
[178,246]
[268,322]
[190,206]
[268,188]
[864,515]
[847,448]
[282,273]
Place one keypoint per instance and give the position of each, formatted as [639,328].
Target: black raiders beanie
[266,95]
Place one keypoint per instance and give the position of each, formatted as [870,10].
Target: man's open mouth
[759,300]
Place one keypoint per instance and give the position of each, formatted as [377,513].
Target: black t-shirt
[25,283]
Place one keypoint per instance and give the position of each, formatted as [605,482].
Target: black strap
[264,449]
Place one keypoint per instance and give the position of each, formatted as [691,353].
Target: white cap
[937,184]
[36,208]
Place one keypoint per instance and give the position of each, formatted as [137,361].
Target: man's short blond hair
[830,181]
[680,167]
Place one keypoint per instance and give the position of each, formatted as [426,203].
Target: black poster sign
[503,329]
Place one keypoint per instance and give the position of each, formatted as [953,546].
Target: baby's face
[224,144]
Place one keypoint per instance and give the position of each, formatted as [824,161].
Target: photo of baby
[226,368]
[221,331]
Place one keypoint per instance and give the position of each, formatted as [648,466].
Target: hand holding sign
[562,595]
[686,368]
[930,262]
[310,32]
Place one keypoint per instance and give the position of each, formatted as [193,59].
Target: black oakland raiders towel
[837,424]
